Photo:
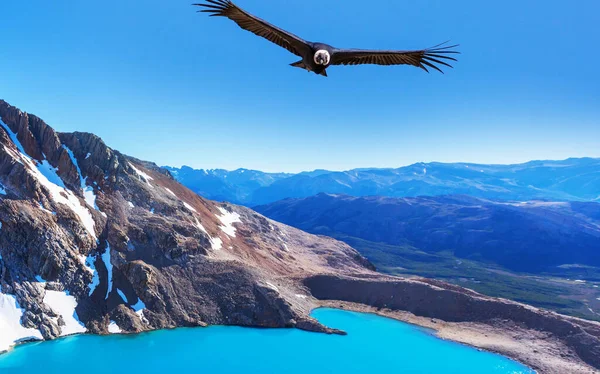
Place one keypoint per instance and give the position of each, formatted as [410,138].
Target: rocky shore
[545,341]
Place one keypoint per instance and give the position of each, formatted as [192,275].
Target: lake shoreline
[526,351]
[411,342]
[532,349]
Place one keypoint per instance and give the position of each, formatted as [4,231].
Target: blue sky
[160,82]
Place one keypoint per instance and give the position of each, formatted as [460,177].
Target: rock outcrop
[123,243]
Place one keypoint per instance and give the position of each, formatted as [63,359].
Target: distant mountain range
[532,236]
[235,186]
[575,179]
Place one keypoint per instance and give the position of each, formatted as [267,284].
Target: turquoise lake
[373,345]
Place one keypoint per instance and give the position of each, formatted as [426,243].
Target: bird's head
[322,57]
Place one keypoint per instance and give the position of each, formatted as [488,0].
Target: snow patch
[82,259]
[122,294]
[189,207]
[109,268]
[91,267]
[47,177]
[51,173]
[46,210]
[579,281]
[216,243]
[271,285]
[88,155]
[130,204]
[143,176]
[65,304]
[2,189]
[171,192]
[301,296]
[139,309]
[285,247]
[11,330]
[200,227]
[88,191]
[228,219]
[138,306]
[113,328]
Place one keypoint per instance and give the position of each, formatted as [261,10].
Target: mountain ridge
[573,179]
[473,228]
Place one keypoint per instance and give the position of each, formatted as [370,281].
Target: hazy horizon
[381,167]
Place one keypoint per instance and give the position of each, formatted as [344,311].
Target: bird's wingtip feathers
[439,54]
[215,7]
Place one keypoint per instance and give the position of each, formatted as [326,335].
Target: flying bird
[317,57]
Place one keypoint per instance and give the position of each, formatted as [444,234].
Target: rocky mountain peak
[94,240]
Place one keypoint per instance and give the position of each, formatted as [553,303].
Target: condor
[317,57]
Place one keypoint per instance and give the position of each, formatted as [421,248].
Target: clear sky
[160,82]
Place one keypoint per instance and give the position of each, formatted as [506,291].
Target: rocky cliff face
[93,240]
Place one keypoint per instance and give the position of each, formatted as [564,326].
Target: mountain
[568,180]
[217,184]
[531,236]
[521,251]
[95,241]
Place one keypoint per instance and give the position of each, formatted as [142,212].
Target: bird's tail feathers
[300,64]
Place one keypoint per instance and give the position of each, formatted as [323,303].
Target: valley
[515,251]
[554,291]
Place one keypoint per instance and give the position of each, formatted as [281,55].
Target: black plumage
[317,57]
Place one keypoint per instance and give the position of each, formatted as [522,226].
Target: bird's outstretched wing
[432,57]
[257,26]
